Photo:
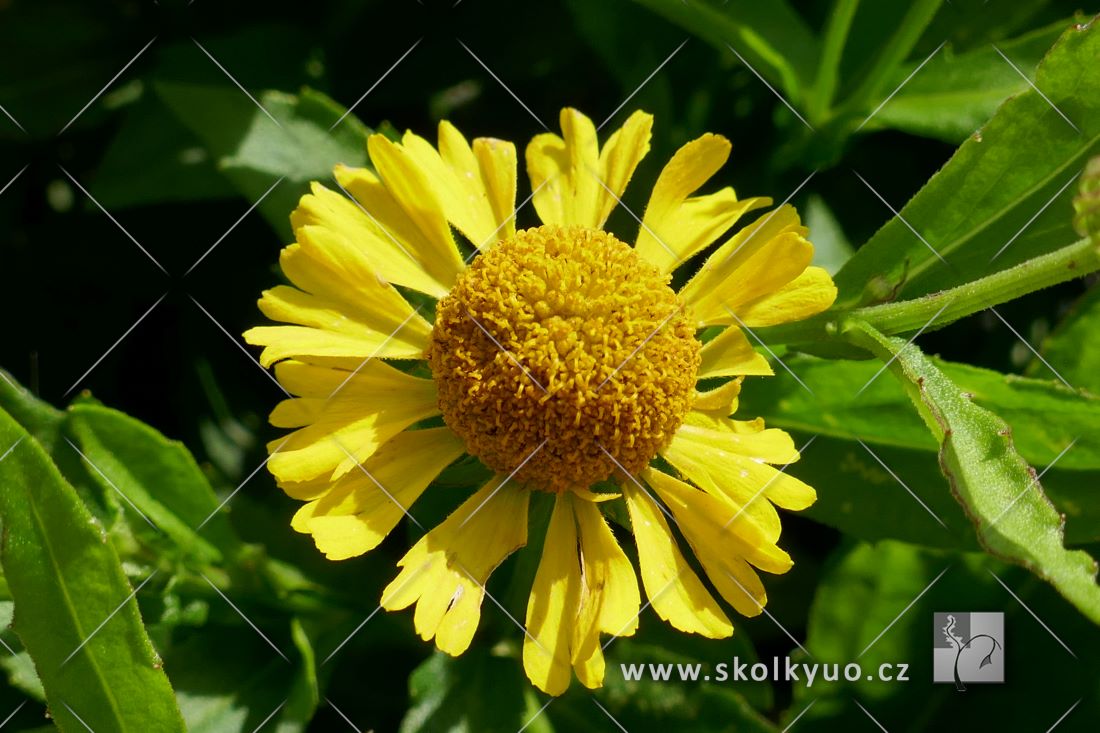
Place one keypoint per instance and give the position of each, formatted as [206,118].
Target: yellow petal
[446,571]
[673,588]
[770,446]
[707,285]
[345,311]
[344,417]
[378,228]
[763,274]
[364,506]
[730,354]
[574,183]
[610,601]
[476,188]
[716,527]
[675,227]
[745,497]
[720,400]
[554,602]
[808,294]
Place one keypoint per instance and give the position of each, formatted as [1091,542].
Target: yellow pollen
[564,338]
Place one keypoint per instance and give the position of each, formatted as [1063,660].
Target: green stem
[937,310]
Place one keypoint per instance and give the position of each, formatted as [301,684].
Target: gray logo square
[968,647]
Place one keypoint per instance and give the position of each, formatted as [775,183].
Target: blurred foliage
[197,125]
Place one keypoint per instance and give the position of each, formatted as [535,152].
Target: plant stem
[937,310]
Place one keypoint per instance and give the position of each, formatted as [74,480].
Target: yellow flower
[561,358]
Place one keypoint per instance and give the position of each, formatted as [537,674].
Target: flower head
[561,357]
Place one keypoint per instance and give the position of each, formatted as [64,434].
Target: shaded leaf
[70,593]
[986,196]
[295,138]
[1000,492]
[954,94]
[158,476]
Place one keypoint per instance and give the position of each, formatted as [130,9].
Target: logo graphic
[968,647]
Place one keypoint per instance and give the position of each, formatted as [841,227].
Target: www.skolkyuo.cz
[781,669]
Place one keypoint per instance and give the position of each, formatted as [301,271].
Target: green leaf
[1045,416]
[1073,349]
[75,611]
[1000,492]
[229,680]
[986,196]
[152,159]
[294,139]
[831,246]
[451,695]
[904,23]
[828,72]
[953,95]
[158,477]
[771,37]
[38,417]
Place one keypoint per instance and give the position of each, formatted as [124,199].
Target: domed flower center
[559,348]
